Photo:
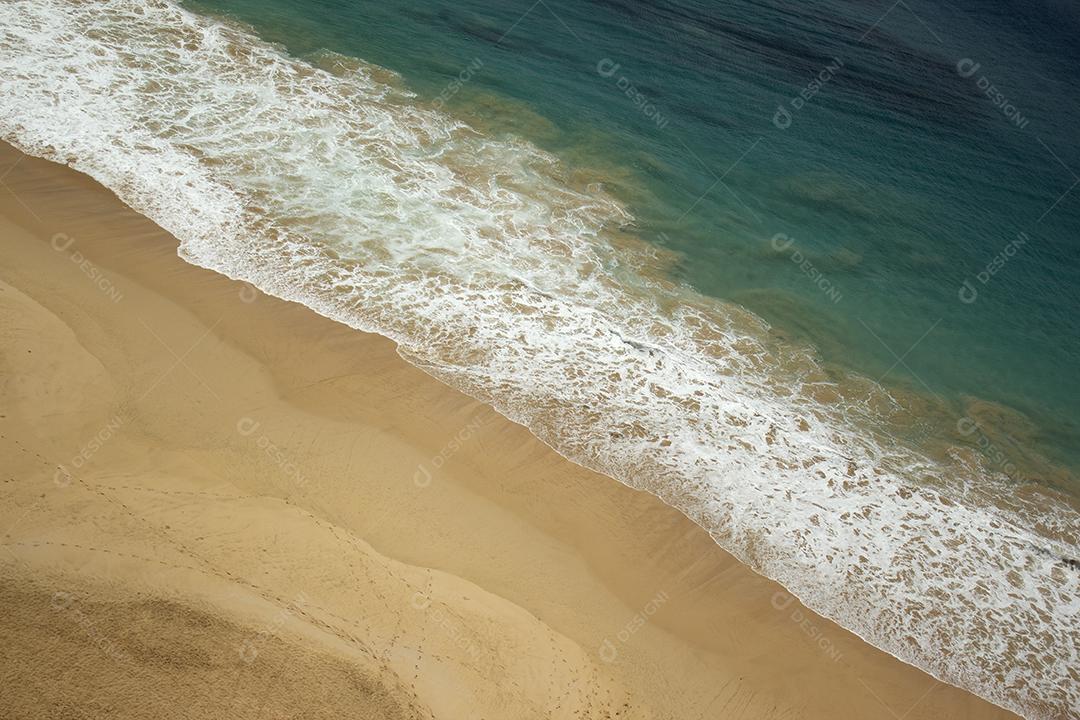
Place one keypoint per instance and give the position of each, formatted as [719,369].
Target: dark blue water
[895,185]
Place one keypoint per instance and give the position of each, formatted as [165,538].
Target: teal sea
[808,273]
[930,144]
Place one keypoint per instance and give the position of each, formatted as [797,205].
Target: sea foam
[340,190]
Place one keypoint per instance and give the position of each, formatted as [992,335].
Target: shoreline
[319,433]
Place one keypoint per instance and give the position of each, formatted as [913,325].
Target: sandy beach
[220,504]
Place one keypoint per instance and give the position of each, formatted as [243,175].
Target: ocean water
[798,271]
[898,179]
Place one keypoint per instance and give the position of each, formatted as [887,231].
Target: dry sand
[219,504]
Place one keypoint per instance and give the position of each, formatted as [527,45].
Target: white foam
[496,276]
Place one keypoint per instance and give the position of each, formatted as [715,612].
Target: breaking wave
[325,182]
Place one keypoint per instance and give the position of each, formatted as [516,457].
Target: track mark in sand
[423,635]
[33,453]
[209,568]
[189,493]
[364,571]
[337,629]
[419,649]
[91,548]
[556,655]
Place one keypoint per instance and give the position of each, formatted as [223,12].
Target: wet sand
[219,504]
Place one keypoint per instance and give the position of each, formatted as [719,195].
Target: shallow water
[895,183]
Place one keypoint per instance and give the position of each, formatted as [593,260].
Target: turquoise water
[897,180]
